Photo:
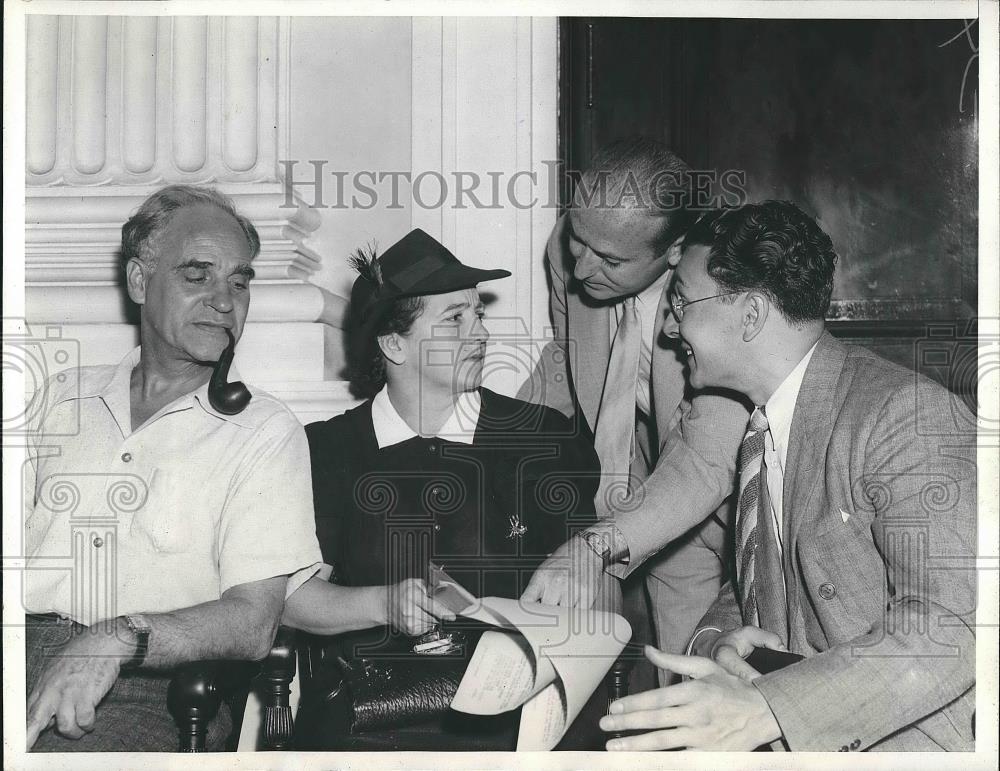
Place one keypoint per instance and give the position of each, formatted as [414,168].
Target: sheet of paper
[500,676]
[543,720]
[548,659]
[445,590]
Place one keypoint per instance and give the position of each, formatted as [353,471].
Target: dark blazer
[879,534]
[490,512]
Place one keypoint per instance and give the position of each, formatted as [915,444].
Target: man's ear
[393,347]
[756,307]
[673,253]
[136,277]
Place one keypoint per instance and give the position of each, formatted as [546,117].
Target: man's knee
[117,730]
[133,717]
[134,729]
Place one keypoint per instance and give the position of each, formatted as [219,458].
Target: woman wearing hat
[433,468]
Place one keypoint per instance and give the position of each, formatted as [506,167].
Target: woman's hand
[411,611]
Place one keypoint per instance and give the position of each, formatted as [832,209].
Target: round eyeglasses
[678,305]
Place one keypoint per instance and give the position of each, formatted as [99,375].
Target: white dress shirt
[780,409]
[167,515]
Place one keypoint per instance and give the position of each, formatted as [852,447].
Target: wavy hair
[366,368]
[773,247]
[143,229]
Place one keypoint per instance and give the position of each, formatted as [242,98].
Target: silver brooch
[516,528]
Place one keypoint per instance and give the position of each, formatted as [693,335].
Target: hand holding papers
[549,659]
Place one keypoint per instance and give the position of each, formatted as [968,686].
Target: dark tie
[749,514]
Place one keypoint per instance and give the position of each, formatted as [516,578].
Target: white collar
[650,296]
[391,429]
[780,408]
[116,394]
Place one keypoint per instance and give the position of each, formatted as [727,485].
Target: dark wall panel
[869,125]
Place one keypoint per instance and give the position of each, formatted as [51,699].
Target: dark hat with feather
[415,265]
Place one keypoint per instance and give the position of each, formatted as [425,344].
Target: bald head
[629,208]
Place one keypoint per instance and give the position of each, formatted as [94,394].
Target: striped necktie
[751,459]
[614,439]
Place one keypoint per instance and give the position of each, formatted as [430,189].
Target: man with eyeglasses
[678,303]
[667,454]
[855,530]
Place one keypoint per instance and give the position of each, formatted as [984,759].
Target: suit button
[827,591]
[98,542]
[437,528]
[432,447]
[126,457]
[855,744]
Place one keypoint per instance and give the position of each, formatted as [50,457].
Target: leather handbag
[397,690]
[393,693]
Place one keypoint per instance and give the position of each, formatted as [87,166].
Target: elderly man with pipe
[161,481]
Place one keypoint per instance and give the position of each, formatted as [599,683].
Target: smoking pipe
[227,398]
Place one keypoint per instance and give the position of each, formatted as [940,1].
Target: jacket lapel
[812,423]
[588,329]
[590,352]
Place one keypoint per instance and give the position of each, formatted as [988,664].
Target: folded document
[548,659]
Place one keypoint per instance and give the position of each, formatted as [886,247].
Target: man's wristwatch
[606,541]
[138,626]
[599,543]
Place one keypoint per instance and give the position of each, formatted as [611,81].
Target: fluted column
[147,100]
[138,131]
[40,94]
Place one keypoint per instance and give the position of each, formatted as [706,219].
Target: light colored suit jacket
[694,457]
[879,535]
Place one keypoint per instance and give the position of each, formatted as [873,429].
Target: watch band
[138,626]
[606,541]
[599,543]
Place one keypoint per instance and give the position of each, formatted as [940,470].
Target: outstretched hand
[571,576]
[714,710]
